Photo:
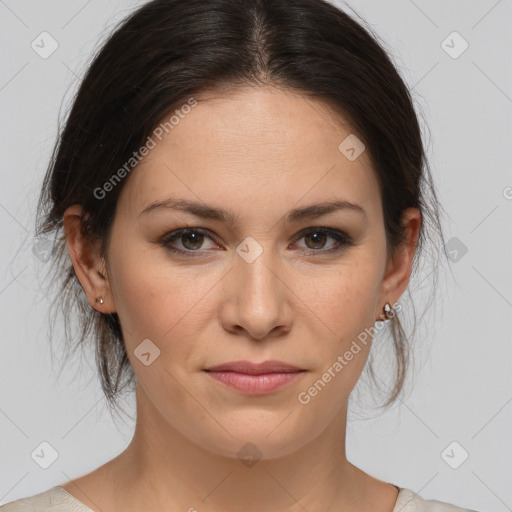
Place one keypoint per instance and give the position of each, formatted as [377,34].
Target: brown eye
[192,241]
[188,241]
[317,239]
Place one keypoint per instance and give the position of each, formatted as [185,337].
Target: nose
[258,298]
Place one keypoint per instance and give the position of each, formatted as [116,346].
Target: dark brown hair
[168,51]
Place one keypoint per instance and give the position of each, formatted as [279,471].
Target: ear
[398,270]
[90,267]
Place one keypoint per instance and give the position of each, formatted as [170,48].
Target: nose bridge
[256,266]
[259,291]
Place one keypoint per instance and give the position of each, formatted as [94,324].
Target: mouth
[255,378]
[251,368]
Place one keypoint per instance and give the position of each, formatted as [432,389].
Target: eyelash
[341,238]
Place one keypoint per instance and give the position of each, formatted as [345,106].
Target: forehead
[253,146]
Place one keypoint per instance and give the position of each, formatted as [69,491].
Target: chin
[254,439]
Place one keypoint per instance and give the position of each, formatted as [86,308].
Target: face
[263,283]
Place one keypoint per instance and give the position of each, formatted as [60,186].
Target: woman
[241,187]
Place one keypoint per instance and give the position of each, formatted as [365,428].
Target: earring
[99,299]
[388,313]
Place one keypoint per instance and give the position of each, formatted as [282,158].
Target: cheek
[156,300]
[345,297]
[343,352]
[341,305]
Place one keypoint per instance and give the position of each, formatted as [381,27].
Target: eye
[192,240]
[316,238]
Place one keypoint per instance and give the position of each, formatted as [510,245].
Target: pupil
[190,236]
[316,235]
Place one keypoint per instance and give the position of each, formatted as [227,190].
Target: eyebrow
[227,217]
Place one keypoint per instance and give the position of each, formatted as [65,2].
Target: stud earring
[387,314]
[388,311]
[99,299]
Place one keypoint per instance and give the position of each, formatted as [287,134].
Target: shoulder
[409,501]
[55,499]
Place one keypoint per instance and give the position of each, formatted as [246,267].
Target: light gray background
[462,386]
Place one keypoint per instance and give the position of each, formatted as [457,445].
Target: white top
[57,499]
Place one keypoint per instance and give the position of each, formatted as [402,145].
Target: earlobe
[87,261]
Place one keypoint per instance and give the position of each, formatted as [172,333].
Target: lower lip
[255,384]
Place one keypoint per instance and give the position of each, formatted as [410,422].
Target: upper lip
[255,368]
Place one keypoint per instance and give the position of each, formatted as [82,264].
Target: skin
[260,152]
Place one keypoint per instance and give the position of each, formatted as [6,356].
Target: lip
[251,368]
[255,378]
